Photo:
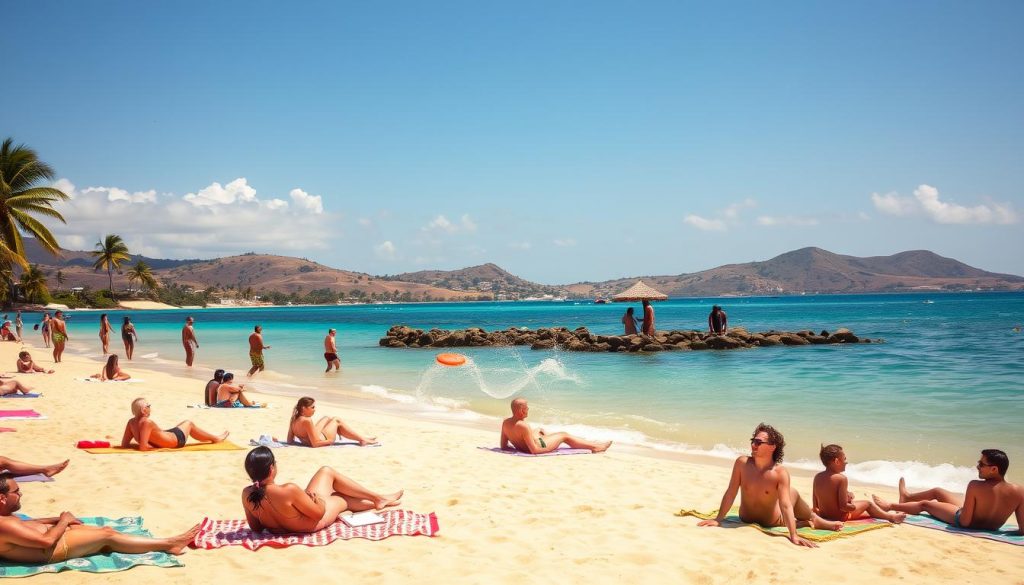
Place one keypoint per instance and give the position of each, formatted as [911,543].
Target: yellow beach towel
[222,446]
[851,528]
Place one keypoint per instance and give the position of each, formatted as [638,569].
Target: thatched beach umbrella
[639,292]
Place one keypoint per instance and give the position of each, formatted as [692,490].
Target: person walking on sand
[766,496]
[148,436]
[831,499]
[59,335]
[718,323]
[988,503]
[516,435]
[129,336]
[17,468]
[324,432]
[55,540]
[105,330]
[331,351]
[629,321]
[189,341]
[18,324]
[287,508]
[648,325]
[44,329]
[256,348]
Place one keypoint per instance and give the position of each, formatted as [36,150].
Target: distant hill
[37,255]
[484,278]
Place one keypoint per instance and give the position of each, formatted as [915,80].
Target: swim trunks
[956,518]
[58,337]
[543,445]
[229,404]
[256,359]
[180,434]
[330,356]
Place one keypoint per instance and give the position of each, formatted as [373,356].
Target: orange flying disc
[451,359]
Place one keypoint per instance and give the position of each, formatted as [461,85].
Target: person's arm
[308,504]
[311,435]
[503,442]
[291,435]
[145,431]
[728,497]
[126,439]
[254,524]
[1020,511]
[16,532]
[711,324]
[725,323]
[970,503]
[786,505]
[843,495]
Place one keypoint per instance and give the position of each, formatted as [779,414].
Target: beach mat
[21,415]
[1004,535]
[269,442]
[559,451]
[208,407]
[18,395]
[851,528]
[8,430]
[97,380]
[42,477]
[218,533]
[107,563]
[222,446]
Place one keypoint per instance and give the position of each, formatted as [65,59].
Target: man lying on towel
[516,435]
[987,505]
[766,496]
[148,435]
[54,540]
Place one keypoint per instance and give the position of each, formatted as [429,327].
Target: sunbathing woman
[284,508]
[13,387]
[112,371]
[27,366]
[324,432]
[148,435]
[230,395]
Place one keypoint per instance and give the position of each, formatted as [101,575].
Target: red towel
[218,533]
[93,444]
[18,414]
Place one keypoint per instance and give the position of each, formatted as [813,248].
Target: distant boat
[599,301]
[928,302]
[545,298]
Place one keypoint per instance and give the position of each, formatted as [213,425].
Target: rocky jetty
[581,339]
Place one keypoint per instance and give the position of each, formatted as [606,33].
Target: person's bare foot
[883,504]
[219,438]
[822,524]
[368,441]
[180,542]
[903,490]
[602,447]
[897,517]
[56,468]
[389,500]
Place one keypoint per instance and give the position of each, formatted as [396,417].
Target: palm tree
[110,253]
[142,273]
[33,284]
[60,278]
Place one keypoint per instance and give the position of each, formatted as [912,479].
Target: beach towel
[17,395]
[222,446]
[8,430]
[108,563]
[128,381]
[559,451]
[1003,535]
[851,528]
[268,441]
[21,415]
[218,533]
[33,477]
[207,406]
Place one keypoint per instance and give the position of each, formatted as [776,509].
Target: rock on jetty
[581,339]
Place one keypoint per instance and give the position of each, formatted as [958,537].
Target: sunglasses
[759,442]
[983,464]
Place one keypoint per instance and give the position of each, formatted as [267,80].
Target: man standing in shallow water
[767,498]
[256,348]
[188,339]
[331,351]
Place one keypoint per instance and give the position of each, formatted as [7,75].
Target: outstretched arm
[126,439]
[786,505]
[728,497]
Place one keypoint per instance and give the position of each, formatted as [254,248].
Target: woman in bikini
[105,329]
[129,336]
[231,396]
[284,508]
[26,365]
[112,371]
[324,432]
[44,329]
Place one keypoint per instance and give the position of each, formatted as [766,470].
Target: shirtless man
[26,365]
[13,387]
[55,540]
[766,497]
[832,501]
[17,468]
[331,351]
[148,435]
[648,324]
[516,435]
[210,392]
[987,505]
[188,339]
[256,348]
[229,394]
[59,335]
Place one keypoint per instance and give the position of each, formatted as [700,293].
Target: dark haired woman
[129,337]
[629,321]
[283,508]
[112,371]
[325,431]
[105,329]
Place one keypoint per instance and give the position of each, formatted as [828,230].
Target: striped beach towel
[218,533]
[850,528]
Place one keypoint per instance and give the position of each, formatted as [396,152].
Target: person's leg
[82,541]
[805,516]
[328,481]
[937,494]
[130,348]
[341,428]
[20,468]
[875,512]
[327,426]
[191,430]
[555,439]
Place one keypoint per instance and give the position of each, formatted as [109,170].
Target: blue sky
[564,141]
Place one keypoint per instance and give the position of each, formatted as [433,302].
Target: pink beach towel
[19,414]
[8,430]
[218,533]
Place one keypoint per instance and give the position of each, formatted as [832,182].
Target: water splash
[498,382]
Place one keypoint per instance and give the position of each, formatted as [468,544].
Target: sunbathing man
[284,508]
[148,435]
[766,496]
[516,435]
[325,431]
[987,505]
[112,371]
[230,395]
[27,366]
[831,499]
[55,540]
[17,468]
[13,387]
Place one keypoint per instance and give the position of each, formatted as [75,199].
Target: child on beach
[832,501]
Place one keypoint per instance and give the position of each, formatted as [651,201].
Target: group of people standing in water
[718,323]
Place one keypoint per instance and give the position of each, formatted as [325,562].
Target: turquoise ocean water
[946,383]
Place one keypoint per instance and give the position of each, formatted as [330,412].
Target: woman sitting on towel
[324,432]
[229,394]
[112,371]
[284,508]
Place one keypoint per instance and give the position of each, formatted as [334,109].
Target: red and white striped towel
[218,533]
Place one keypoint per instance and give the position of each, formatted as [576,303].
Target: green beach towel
[851,528]
[1007,534]
[98,563]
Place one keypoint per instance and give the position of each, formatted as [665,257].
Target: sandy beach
[605,518]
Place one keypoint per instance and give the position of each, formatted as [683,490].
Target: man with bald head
[516,435]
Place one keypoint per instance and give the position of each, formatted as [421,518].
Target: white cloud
[467,223]
[365,222]
[115,194]
[704,224]
[215,194]
[733,211]
[524,245]
[441,223]
[385,250]
[564,242]
[788,220]
[303,200]
[926,202]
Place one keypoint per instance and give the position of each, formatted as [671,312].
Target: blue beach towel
[1004,535]
[16,395]
[33,477]
[268,441]
[98,563]
[558,451]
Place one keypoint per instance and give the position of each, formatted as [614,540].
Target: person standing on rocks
[718,323]
[648,326]
[629,321]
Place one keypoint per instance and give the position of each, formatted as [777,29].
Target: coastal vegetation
[110,253]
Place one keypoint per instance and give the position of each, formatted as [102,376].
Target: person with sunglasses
[987,505]
[766,496]
[147,434]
